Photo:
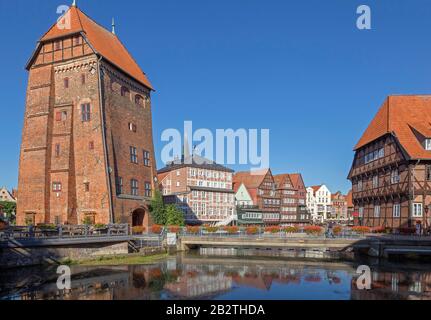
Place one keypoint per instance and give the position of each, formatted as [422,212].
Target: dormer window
[428,144]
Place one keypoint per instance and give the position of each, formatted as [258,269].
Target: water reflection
[195,277]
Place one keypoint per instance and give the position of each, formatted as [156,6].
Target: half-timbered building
[391,170]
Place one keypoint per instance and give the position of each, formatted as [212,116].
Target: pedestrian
[418,228]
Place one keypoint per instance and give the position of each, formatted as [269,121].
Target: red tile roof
[296,179]
[281,179]
[402,116]
[103,41]
[316,188]
[251,180]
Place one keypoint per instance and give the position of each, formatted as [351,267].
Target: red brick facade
[77,136]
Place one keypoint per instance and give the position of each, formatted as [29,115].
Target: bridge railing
[260,232]
[64,232]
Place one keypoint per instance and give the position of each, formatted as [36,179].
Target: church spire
[113,26]
[74,3]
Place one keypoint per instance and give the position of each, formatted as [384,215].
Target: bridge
[22,246]
[377,246]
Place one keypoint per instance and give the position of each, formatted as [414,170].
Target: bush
[156,228]
[138,230]
[337,230]
[47,226]
[272,229]
[361,229]
[100,226]
[378,230]
[252,230]
[313,230]
[174,229]
[87,221]
[211,229]
[291,229]
[193,229]
[231,230]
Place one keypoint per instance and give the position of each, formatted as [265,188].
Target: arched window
[139,100]
[125,92]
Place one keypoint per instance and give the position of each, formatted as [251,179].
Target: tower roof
[407,118]
[104,42]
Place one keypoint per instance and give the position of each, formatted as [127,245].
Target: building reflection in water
[388,285]
[199,278]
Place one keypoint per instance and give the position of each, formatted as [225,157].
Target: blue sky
[299,68]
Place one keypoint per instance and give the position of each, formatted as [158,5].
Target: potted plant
[231,229]
[313,230]
[361,229]
[272,229]
[252,230]
[174,229]
[192,229]
[138,230]
[291,229]
[211,229]
[156,228]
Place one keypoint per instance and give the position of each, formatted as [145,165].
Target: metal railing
[64,232]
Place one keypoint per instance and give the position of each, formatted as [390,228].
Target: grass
[117,260]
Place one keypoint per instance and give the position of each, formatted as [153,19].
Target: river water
[191,276]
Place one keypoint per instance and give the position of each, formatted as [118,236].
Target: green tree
[175,216]
[9,208]
[157,209]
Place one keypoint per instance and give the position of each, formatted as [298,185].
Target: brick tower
[87,151]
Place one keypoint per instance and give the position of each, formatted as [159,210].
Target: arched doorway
[138,217]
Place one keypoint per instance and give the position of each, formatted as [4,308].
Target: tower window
[119,183]
[56,186]
[77,40]
[146,158]
[57,150]
[83,78]
[133,155]
[132,127]
[148,192]
[134,187]
[139,100]
[66,83]
[61,116]
[125,92]
[91,145]
[85,112]
[87,186]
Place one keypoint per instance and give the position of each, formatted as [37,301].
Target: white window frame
[396,210]
[375,181]
[395,176]
[417,211]
[361,212]
[377,211]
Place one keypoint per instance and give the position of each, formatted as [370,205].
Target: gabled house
[262,189]
[319,203]
[391,169]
